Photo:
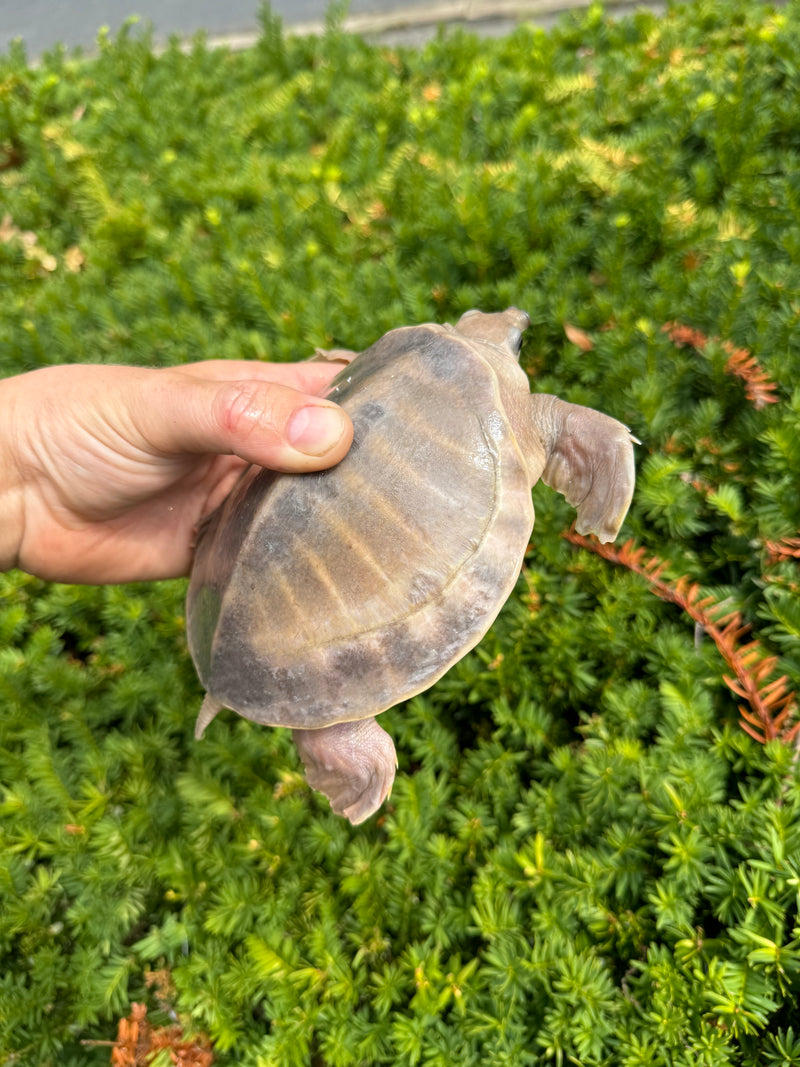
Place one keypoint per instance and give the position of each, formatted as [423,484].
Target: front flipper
[352,763]
[589,460]
[332,355]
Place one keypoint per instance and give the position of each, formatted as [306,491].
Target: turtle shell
[329,597]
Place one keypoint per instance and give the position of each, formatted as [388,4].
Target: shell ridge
[453,577]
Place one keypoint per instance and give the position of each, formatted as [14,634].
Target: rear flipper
[589,461]
[352,763]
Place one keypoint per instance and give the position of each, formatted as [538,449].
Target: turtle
[317,601]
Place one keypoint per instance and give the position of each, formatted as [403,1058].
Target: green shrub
[585,859]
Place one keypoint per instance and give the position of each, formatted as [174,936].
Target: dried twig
[771,706]
[138,1043]
[758,386]
[786,548]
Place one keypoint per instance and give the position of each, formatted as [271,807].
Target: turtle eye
[514,339]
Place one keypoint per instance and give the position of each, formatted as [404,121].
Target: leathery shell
[324,598]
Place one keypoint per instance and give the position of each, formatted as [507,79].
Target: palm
[140,531]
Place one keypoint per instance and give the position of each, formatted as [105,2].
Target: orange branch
[758,386]
[786,548]
[138,1043]
[771,705]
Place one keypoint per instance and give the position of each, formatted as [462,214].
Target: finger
[262,422]
[307,377]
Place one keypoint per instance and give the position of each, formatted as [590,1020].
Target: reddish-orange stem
[758,386]
[771,705]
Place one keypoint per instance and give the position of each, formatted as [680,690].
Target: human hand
[105,471]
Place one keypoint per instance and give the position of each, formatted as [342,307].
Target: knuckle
[244,408]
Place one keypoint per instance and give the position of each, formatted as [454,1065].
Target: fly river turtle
[319,600]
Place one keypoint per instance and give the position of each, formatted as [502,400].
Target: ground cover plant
[592,851]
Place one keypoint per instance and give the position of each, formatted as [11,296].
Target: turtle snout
[500,328]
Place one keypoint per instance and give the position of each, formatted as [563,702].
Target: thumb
[262,422]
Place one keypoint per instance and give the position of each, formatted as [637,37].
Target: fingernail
[315,429]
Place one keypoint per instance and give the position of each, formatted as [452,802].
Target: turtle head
[503,329]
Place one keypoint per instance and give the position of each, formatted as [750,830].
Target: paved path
[43,23]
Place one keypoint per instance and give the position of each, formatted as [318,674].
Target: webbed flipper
[332,355]
[352,763]
[589,460]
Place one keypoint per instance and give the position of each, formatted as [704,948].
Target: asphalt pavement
[41,24]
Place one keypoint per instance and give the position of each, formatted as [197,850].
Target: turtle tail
[209,709]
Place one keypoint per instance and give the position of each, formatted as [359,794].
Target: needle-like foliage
[585,859]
